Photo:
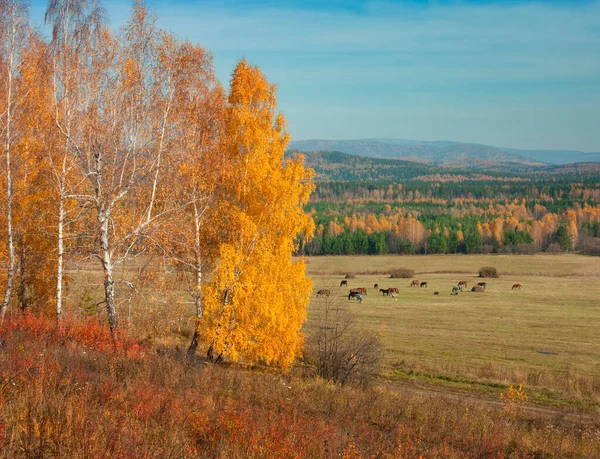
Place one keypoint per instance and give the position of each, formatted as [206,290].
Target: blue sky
[509,73]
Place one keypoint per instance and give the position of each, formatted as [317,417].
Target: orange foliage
[256,304]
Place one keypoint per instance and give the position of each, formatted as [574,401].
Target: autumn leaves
[147,154]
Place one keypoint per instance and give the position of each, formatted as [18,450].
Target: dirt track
[468,397]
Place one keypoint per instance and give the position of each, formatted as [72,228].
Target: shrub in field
[554,248]
[488,271]
[340,351]
[350,276]
[90,333]
[514,400]
[592,246]
[402,273]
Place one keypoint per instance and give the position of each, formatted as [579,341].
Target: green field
[545,336]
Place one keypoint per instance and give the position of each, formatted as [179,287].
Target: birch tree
[14,28]
[122,112]
[256,303]
[190,234]
[75,25]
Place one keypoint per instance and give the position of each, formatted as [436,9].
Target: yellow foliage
[256,304]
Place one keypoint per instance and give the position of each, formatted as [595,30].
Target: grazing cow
[516,287]
[482,284]
[356,295]
[394,290]
[376,286]
[436,293]
[323,292]
[385,291]
[394,295]
[463,284]
[415,283]
[423,284]
[456,289]
[363,290]
[478,288]
[344,282]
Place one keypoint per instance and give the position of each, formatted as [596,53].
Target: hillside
[337,166]
[451,154]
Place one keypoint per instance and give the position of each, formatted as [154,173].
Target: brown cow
[423,284]
[394,290]
[415,283]
[516,287]
[463,283]
[376,286]
[323,292]
[482,284]
[394,295]
[344,282]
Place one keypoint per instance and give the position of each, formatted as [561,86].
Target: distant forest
[388,206]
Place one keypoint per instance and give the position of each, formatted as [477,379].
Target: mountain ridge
[445,153]
[339,166]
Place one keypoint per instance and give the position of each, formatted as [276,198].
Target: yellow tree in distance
[256,303]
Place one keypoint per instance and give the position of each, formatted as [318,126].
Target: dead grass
[545,335]
[74,399]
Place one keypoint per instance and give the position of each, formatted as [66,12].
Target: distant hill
[337,166]
[445,153]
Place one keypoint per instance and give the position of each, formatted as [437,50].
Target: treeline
[422,228]
[120,144]
[335,166]
[558,193]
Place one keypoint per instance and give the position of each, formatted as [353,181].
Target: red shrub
[90,333]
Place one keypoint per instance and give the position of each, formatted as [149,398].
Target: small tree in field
[256,304]
[340,351]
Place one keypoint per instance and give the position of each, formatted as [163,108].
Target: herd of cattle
[357,293]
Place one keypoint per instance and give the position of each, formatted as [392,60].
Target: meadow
[544,336]
[446,361]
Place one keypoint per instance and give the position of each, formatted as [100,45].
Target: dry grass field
[69,393]
[545,336]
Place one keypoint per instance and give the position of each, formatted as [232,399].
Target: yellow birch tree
[256,303]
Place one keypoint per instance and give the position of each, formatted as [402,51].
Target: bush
[488,271]
[592,246]
[402,273]
[350,276]
[341,351]
[554,248]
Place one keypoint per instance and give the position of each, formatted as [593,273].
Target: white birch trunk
[9,194]
[107,267]
[61,249]
[198,287]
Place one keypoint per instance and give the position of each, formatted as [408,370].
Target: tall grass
[64,394]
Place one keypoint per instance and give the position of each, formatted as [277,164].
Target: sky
[520,74]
